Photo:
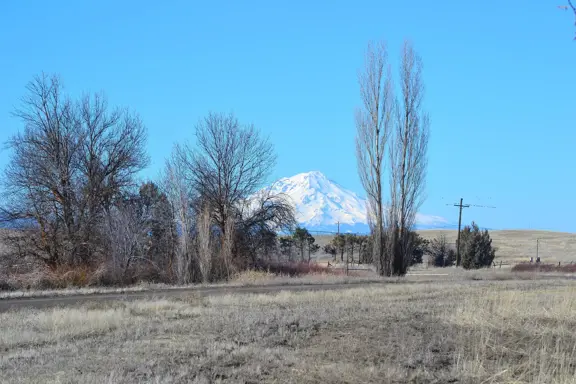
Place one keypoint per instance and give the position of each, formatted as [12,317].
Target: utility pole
[537,246]
[459,226]
[461,205]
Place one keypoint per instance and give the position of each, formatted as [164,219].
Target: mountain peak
[313,180]
[321,204]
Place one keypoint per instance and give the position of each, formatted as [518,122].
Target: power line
[481,206]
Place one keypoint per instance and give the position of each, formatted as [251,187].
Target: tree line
[72,188]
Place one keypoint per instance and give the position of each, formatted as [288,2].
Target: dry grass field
[242,279]
[459,331]
[520,245]
[513,245]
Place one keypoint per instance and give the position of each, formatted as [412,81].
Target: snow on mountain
[321,203]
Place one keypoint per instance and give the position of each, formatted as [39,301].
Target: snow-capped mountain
[322,203]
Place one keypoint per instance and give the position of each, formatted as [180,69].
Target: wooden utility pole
[461,205]
[459,226]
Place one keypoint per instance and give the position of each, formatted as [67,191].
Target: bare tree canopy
[72,181]
[401,128]
[229,163]
[218,181]
[373,127]
[71,161]
[408,157]
[179,194]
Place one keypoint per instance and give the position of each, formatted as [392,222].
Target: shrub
[476,248]
[419,247]
[450,258]
[290,268]
[6,286]
[536,267]
[441,255]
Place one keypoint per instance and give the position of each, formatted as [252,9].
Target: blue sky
[500,85]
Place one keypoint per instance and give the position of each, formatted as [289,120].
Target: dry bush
[6,284]
[291,268]
[537,267]
[81,276]
[568,268]
[252,277]
[59,278]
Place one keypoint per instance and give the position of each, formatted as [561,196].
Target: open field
[465,331]
[520,245]
[513,245]
[259,282]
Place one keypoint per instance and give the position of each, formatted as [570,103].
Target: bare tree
[226,248]
[204,243]
[231,162]
[180,197]
[126,233]
[408,160]
[157,216]
[267,210]
[373,127]
[225,170]
[261,216]
[71,161]
[39,178]
[112,152]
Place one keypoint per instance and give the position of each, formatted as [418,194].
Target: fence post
[500,264]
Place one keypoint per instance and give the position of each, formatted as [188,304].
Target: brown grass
[297,268]
[519,245]
[535,267]
[466,332]
[513,245]
[241,279]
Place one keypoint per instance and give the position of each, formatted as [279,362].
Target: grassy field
[520,245]
[243,279]
[513,246]
[465,331]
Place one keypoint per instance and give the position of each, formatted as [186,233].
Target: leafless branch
[408,158]
[571,7]
[373,128]
[70,162]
